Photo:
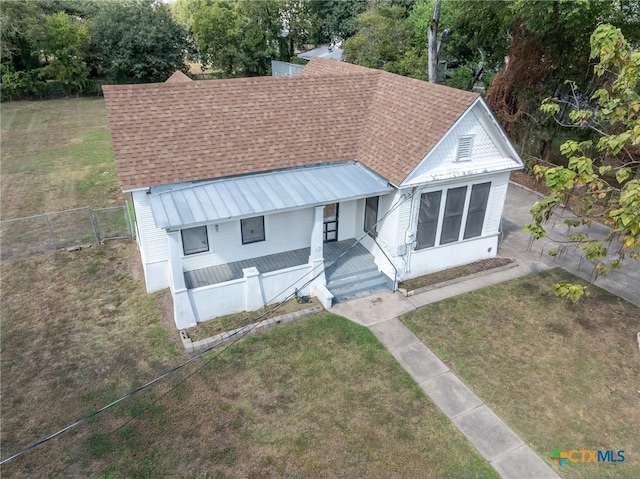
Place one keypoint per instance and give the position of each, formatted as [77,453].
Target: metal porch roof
[191,204]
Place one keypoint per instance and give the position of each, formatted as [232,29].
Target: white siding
[154,240]
[499,185]
[153,243]
[388,227]
[348,226]
[404,221]
[487,155]
[455,254]
[283,232]
[466,251]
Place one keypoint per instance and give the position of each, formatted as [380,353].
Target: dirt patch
[530,181]
[219,325]
[455,273]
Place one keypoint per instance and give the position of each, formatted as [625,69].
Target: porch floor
[230,271]
[356,260]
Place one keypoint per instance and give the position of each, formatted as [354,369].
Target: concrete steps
[363,283]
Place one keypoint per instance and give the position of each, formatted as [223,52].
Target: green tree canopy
[137,40]
[64,46]
[602,176]
[382,36]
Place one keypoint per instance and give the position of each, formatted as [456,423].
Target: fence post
[94,226]
[53,239]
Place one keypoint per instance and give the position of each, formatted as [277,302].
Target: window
[252,229]
[464,148]
[195,240]
[371,216]
[428,219]
[477,208]
[452,218]
[455,213]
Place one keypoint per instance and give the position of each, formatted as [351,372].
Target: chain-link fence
[23,237]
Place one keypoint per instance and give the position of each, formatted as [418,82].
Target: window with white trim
[428,219]
[442,224]
[463,152]
[477,210]
[195,240]
[252,229]
[452,217]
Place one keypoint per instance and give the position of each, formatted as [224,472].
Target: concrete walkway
[494,440]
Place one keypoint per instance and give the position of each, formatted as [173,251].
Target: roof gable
[185,131]
[490,151]
[178,77]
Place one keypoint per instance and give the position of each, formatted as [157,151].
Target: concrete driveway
[517,244]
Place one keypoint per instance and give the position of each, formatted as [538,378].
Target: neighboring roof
[255,195]
[178,77]
[166,133]
[323,51]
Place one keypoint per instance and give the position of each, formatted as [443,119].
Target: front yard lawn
[317,398]
[561,375]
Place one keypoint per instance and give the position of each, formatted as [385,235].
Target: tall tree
[383,35]
[434,45]
[602,177]
[21,30]
[137,40]
[216,37]
[64,46]
[241,37]
[337,18]
[550,43]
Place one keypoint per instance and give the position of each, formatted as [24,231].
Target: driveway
[517,244]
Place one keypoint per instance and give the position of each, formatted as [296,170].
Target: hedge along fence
[27,85]
[31,235]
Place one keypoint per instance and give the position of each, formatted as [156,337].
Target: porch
[350,270]
[354,261]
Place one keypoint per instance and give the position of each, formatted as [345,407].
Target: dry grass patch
[561,375]
[237,320]
[55,154]
[454,273]
[318,398]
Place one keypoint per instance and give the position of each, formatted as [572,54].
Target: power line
[240,334]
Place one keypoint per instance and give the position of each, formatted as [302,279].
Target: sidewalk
[495,441]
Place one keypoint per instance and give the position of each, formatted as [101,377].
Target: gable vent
[464,148]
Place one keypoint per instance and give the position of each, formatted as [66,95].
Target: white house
[335,182]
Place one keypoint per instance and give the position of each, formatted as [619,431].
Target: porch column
[253,299]
[316,256]
[183,313]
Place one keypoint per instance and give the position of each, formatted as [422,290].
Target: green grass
[56,155]
[317,398]
[560,375]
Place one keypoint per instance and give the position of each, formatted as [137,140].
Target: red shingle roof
[178,77]
[175,132]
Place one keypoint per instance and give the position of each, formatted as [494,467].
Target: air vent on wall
[464,148]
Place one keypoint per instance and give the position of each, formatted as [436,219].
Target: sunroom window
[447,222]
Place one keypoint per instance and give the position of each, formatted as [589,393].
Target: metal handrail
[395,274]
